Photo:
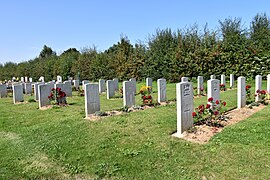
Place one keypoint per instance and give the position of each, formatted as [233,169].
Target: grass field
[59,143]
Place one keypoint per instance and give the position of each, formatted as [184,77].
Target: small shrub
[146,97]
[58,96]
[31,100]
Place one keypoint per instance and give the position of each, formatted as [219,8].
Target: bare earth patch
[202,133]
[46,107]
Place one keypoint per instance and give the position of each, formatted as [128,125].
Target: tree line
[190,52]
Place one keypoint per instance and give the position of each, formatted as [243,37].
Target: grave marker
[258,86]
[17,93]
[102,85]
[185,106]
[200,86]
[128,93]
[241,92]
[231,80]
[213,90]
[92,100]
[3,90]
[110,88]
[184,79]
[161,85]
[44,90]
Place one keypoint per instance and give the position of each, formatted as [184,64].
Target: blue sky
[27,25]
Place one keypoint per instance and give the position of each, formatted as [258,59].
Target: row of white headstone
[185,105]
[92,91]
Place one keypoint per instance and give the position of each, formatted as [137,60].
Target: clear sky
[27,25]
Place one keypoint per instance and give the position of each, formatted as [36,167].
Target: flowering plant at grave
[262,95]
[58,96]
[195,92]
[146,97]
[121,91]
[222,87]
[211,115]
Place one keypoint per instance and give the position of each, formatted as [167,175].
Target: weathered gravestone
[184,79]
[92,101]
[30,79]
[22,79]
[102,85]
[241,92]
[68,88]
[116,84]
[200,86]
[25,79]
[213,77]
[223,79]
[76,84]
[161,85]
[231,80]
[28,88]
[258,86]
[3,90]
[128,93]
[44,90]
[213,90]
[59,79]
[17,93]
[110,88]
[149,82]
[185,107]
[134,81]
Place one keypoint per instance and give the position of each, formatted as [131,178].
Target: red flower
[210,99]
[224,103]
[216,113]
[201,89]
[249,86]
[149,97]
[217,102]
[53,89]
[258,91]
[207,106]
[144,97]
[263,92]
[194,114]
[200,107]
[222,85]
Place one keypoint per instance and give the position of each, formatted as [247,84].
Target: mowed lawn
[59,143]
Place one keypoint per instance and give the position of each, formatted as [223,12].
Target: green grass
[59,143]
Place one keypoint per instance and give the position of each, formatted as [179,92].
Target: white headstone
[3,90]
[44,90]
[92,101]
[231,80]
[110,88]
[30,79]
[223,79]
[42,79]
[59,79]
[102,85]
[184,79]
[28,88]
[116,84]
[17,93]
[161,85]
[76,84]
[26,79]
[185,107]
[68,88]
[213,77]
[213,90]
[200,86]
[268,84]
[149,82]
[128,93]
[241,92]
[22,79]
[258,86]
